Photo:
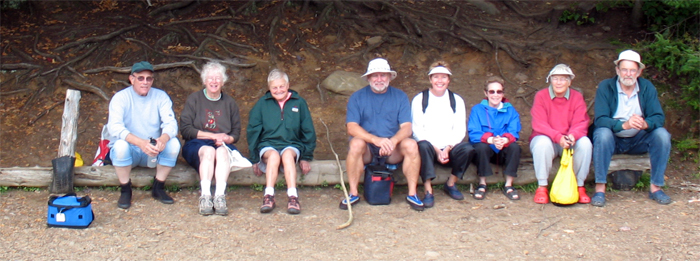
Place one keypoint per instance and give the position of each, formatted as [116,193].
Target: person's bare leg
[408,151]
[222,169]
[272,159]
[206,166]
[452,180]
[354,164]
[290,168]
[123,173]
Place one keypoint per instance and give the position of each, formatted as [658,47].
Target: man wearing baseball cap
[559,121]
[142,125]
[629,119]
[380,115]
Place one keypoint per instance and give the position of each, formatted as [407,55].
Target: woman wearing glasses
[209,121]
[493,129]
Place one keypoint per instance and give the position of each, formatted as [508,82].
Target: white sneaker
[220,205]
[206,206]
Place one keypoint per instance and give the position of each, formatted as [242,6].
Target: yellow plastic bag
[78,160]
[564,188]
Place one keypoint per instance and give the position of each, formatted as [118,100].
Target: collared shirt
[626,107]
[552,95]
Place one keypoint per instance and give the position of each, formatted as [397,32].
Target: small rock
[374,40]
[500,206]
[432,254]
[625,228]
[606,28]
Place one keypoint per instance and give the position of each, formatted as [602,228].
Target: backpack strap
[452,100]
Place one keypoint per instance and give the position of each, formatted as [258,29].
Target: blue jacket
[486,121]
[606,105]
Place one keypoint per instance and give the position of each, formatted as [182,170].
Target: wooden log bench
[322,172]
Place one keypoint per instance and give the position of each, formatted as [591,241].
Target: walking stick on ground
[342,181]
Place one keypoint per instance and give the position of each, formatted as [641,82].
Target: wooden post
[63,165]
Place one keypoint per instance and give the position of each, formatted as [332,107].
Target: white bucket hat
[379,65]
[560,69]
[440,69]
[630,56]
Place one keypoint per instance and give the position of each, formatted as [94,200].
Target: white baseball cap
[630,56]
[560,69]
[379,65]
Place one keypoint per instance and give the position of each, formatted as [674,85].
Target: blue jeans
[656,142]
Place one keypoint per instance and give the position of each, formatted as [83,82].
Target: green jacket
[268,126]
[606,105]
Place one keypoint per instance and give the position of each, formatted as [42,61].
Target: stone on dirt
[344,82]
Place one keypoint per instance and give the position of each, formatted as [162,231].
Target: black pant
[460,157]
[508,157]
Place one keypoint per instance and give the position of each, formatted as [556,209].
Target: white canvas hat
[378,65]
[440,69]
[630,56]
[560,69]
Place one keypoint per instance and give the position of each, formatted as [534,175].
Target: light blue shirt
[626,107]
[143,116]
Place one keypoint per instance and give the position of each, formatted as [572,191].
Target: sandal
[541,195]
[511,193]
[480,192]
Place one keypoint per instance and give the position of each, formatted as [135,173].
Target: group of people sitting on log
[429,130]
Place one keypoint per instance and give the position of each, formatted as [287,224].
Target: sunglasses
[142,78]
[495,91]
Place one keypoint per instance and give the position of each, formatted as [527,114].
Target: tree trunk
[62,181]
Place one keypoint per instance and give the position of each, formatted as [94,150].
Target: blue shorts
[191,150]
[262,166]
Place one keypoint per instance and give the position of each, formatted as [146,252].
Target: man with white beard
[629,119]
[379,116]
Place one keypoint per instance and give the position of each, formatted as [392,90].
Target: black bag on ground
[70,211]
[625,179]
[379,180]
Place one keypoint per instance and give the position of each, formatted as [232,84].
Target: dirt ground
[629,227]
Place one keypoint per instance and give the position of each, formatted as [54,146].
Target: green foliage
[11,4]
[643,183]
[231,188]
[79,189]
[604,6]
[31,189]
[673,17]
[279,185]
[172,188]
[257,187]
[109,188]
[4,189]
[689,148]
[679,59]
[529,188]
[324,184]
[578,17]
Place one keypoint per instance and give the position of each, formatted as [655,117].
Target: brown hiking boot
[268,204]
[293,206]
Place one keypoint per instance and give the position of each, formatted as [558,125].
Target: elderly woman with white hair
[559,121]
[280,133]
[209,121]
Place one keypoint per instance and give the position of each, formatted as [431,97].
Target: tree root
[19,66]
[97,38]
[170,7]
[88,88]
[157,67]
[31,122]
[70,62]
[219,38]
[36,50]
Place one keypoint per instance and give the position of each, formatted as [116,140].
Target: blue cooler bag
[70,211]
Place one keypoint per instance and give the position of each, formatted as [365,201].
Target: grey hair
[277,74]
[214,67]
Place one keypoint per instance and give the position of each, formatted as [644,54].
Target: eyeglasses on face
[142,78]
[628,71]
[495,91]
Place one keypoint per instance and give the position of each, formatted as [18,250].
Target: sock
[220,188]
[292,192]
[206,187]
[269,191]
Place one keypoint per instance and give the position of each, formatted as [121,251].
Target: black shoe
[124,201]
[158,192]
